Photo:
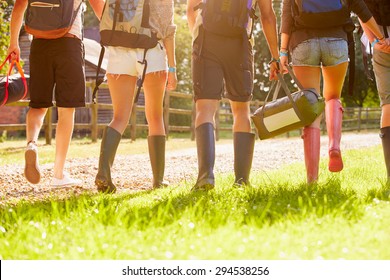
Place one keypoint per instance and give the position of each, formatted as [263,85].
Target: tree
[4,25]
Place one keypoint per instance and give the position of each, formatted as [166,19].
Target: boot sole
[205,187]
[104,187]
[335,161]
[31,169]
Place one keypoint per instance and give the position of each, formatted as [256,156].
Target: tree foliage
[4,29]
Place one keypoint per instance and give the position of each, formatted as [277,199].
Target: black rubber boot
[244,143]
[110,142]
[385,135]
[205,145]
[156,144]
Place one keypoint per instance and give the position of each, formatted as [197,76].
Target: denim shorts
[382,74]
[318,52]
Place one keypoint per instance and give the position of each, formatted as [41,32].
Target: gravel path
[133,172]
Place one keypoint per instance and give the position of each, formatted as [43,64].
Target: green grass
[345,216]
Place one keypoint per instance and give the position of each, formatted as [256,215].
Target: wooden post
[193,116]
[359,118]
[94,122]
[217,122]
[49,125]
[133,122]
[166,113]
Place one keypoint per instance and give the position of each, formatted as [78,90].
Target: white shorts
[125,60]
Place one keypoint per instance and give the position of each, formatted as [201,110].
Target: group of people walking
[222,65]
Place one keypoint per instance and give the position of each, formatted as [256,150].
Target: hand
[172,81]
[274,70]
[383,46]
[14,51]
[284,63]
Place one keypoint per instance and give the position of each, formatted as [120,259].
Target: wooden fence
[354,119]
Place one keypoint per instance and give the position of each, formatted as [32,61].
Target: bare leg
[310,78]
[122,96]
[34,121]
[154,86]
[64,133]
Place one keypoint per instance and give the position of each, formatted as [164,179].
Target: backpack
[50,19]
[226,17]
[319,14]
[125,23]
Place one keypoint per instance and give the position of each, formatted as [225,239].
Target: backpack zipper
[44,5]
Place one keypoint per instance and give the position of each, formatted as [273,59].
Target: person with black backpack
[222,64]
[140,36]
[56,66]
[315,33]
[381,62]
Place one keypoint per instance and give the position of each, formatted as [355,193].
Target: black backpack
[319,14]
[226,17]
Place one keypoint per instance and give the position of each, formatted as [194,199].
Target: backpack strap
[253,16]
[98,80]
[141,80]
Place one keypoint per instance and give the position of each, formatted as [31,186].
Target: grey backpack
[50,19]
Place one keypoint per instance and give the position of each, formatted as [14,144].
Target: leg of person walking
[64,134]
[243,142]
[310,78]
[122,95]
[154,86]
[381,62]
[34,121]
[205,143]
[334,77]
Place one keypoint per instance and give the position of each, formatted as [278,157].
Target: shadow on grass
[254,206]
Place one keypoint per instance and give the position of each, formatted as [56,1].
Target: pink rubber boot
[334,119]
[311,146]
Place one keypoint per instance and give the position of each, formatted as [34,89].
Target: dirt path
[133,172]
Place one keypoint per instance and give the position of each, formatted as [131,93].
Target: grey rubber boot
[244,143]
[109,145]
[205,145]
[385,136]
[156,144]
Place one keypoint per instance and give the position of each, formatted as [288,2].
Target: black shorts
[222,66]
[57,66]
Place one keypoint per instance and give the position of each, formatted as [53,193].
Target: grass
[344,216]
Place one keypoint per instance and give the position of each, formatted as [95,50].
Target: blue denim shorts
[318,52]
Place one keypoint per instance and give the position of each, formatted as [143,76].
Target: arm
[285,38]
[191,13]
[97,7]
[287,23]
[15,25]
[268,21]
[169,44]
[383,47]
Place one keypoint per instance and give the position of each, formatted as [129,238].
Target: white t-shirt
[78,24]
